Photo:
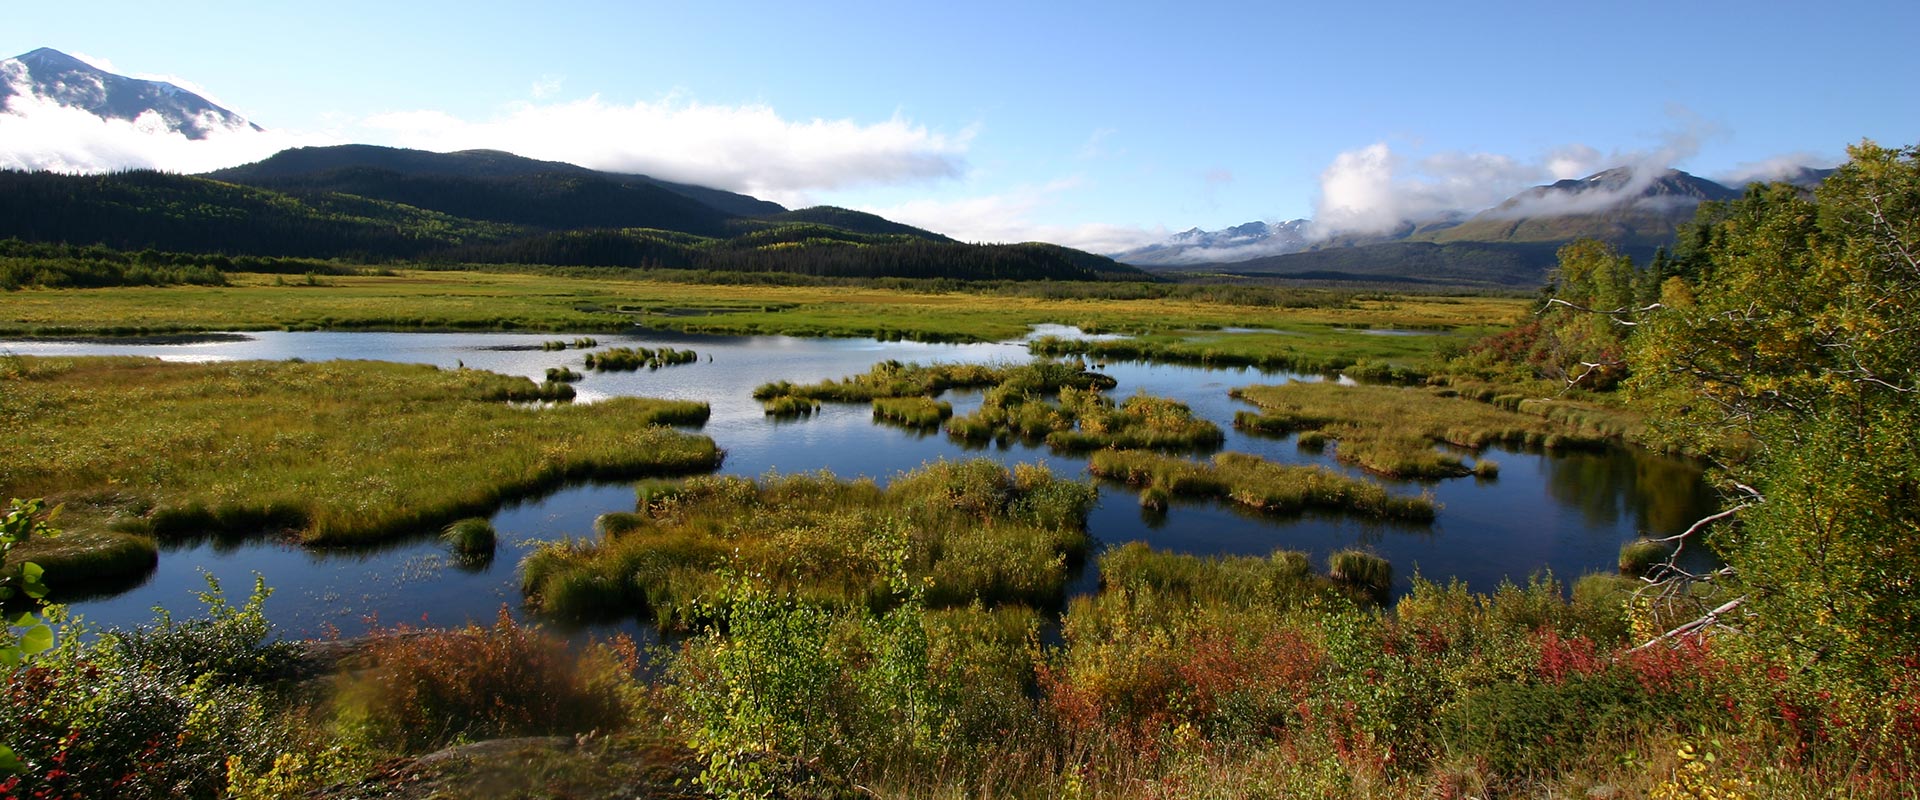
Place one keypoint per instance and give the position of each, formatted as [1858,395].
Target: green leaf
[37,639]
[11,657]
[21,620]
[10,762]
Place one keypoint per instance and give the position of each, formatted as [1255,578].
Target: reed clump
[965,531]
[562,375]
[1641,555]
[629,359]
[1395,431]
[788,406]
[472,537]
[917,413]
[333,452]
[1361,570]
[1259,484]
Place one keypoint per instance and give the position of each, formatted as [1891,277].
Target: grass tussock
[789,407]
[1259,484]
[1395,431]
[336,452]
[915,413]
[562,375]
[629,359]
[472,537]
[1641,555]
[1361,570]
[967,531]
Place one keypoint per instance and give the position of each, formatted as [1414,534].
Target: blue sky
[1094,124]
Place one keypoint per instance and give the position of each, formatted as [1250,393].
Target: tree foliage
[1796,358]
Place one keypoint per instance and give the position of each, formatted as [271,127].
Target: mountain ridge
[55,76]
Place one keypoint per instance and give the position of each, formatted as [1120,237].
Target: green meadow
[327,453]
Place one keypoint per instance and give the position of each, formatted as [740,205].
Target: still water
[1564,512]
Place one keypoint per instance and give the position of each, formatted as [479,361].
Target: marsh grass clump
[788,406]
[1259,484]
[562,375]
[1395,431]
[967,531]
[472,537]
[629,359]
[1640,555]
[1485,469]
[585,343]
[1283,578]
[553,344]
[1064,405]
[916,413]
[332,452]
[889,378]
[1361,570]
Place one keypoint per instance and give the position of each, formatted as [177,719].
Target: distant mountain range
[59,78]
[378,204]
[1511,244]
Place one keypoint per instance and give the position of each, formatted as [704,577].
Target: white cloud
[547,86]
[1374,189]
[1776,168]
[1002,218]
[749,148]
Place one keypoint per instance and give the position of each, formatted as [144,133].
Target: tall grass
[423,690]
[336,452]
[1085,419]
[918,413]
[970,531]
[1395,431]
[1259,484]
[628,359]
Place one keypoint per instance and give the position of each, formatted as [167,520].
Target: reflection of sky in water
[1565,512]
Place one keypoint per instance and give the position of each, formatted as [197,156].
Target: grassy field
[971,531]
[1256,483]
[1394,431]
[335,452]
[409,299]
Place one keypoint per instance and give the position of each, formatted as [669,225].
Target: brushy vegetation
[420,690]
[628,359]
[1395,431]
[1259,484]
[337,451]
[917,413]
[972,531]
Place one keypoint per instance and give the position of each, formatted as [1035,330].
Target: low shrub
[424,689]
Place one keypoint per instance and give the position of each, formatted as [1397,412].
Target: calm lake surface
[1564,512]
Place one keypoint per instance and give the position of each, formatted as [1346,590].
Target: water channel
[1564,512]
